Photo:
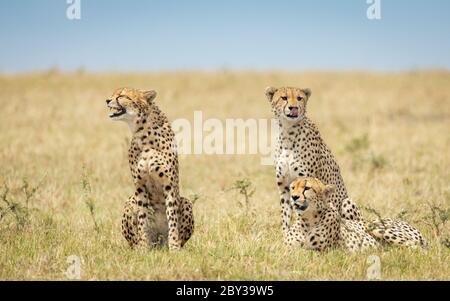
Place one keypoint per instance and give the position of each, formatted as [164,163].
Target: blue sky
[154,35]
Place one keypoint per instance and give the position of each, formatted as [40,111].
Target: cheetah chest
[287,166]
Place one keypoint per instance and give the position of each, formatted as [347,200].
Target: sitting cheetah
[156,215]
[319,225]
[301,152]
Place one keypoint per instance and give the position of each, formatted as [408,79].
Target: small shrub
[377,161]
[88,199]
[371,225]
[20,210]
[194,198]
[437,219]
[244,187]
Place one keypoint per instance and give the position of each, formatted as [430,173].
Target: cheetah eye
[299,98]
[284,97]
[307,188]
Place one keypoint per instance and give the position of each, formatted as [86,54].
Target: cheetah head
[126,103]
[288,103]
[309,195]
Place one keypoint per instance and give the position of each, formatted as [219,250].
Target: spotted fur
[301,151]
[319,224]
[156,215]
[397,232]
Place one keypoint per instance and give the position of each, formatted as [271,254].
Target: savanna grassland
[64,175]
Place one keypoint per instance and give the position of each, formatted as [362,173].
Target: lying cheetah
[319,225]
[156,215]
[301,152]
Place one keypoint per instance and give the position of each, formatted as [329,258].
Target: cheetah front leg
[164,176]
[187,220]
[286,208]
[282,174]
[129,221]
[172,210]
[143,220]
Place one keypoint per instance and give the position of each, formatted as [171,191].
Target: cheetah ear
[307,92]
[149,95]
[270,91]
[329,189]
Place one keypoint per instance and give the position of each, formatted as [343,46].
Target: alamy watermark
[374,267]
[73,270]
[374,9]
[230,137]
[73,11]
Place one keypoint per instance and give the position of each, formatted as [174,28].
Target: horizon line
[83,70]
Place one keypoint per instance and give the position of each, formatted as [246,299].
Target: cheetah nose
[108,101]
[295,198]
[291,108]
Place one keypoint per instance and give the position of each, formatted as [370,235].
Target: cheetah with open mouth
[156,215]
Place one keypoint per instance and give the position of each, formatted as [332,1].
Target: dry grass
[389,132]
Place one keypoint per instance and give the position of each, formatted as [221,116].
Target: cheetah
[156,215]
[301,152]
[319,225]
